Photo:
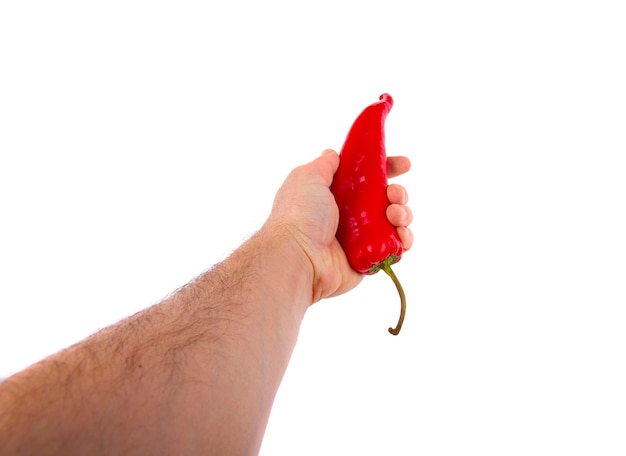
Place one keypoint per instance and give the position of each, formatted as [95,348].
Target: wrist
[288,260]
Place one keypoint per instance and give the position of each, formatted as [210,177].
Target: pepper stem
[387,268]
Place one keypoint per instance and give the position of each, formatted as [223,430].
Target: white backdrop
[141,142]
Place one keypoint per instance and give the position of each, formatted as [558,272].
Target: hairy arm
[198,372]
[195,374]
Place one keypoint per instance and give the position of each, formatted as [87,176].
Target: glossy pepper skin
[369,240]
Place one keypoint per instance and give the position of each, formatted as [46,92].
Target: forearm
[196,373]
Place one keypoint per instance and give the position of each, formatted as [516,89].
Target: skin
[197,373]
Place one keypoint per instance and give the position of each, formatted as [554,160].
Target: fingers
[399,214]
[397,194]
[397,166]
[406,237]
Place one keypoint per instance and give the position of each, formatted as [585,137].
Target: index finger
[397,165]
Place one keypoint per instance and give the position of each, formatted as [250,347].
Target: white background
[141,142]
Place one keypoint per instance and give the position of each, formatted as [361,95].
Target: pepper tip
[386,98]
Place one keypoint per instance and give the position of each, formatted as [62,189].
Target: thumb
[326,165]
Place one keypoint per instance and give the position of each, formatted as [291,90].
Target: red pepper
[370,241]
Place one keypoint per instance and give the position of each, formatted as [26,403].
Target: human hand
[305,206]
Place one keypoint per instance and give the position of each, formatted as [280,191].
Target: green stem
[387,268]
